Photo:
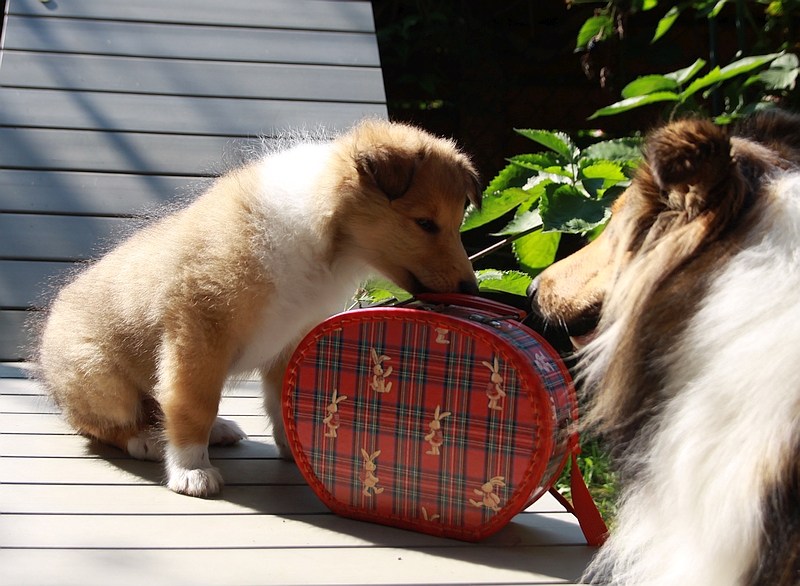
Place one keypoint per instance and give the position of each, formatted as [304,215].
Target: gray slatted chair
[110,108]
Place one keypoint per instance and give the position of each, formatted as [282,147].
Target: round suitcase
[444,415]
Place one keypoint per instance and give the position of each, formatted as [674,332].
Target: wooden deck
[73,512]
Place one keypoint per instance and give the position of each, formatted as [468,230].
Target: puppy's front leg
[191,388]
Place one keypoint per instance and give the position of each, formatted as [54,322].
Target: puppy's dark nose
[532,291]
[468,287]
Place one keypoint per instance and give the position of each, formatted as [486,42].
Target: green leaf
[647,84]
[546,162]
[513,282]
[566,209]
[595,26]
[510,176]
[747,64]
[609,171]
[681,76]
[782,73]
[537,251]
[631,103]
[555,141]
[523,221]
[717,75]
[600,175]
[495,205]
[620,149]
[377,290]
[717,8]
[779,79]
[666,22]
[708,79]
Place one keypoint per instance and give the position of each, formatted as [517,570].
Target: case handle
[471,301]
[583,507]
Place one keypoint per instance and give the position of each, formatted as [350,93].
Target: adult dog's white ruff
[720,442]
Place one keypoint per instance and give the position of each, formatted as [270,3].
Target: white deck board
[76,512]
[375,565]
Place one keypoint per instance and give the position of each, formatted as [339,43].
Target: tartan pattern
[396,366]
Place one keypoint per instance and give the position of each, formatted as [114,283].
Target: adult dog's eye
[428,225]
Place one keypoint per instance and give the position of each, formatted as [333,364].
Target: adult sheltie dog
[137,348]
[693,371]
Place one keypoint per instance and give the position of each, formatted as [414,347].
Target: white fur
[146,446]
[189,471]
[306,289]
[225,433]
[693,518]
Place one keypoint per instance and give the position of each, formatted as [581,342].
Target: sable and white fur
[137,348]
[693,373]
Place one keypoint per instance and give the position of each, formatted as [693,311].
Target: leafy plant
[737,88]
[598,474]
[546,194]
[681,86]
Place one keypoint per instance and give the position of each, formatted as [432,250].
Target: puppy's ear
[690,160]
[474,193]
[389,169]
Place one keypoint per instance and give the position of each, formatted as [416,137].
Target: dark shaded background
[476,69]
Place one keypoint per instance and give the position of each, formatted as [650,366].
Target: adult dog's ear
[390,170]
[691,162]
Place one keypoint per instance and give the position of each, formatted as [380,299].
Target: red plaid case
[445,416]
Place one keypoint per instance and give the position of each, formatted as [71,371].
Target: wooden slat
[27,403]
[14,337]
[73,446]
[214,43]
[255,426]
[298,14]
[127,471]
[12,372]
[191,78]
[90,193]
[149,499]
[79,150]
[227,531]
[27,284]
[16,382]
[355,566]
[174,114]
[62,238]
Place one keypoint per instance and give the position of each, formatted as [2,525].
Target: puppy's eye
[428,225]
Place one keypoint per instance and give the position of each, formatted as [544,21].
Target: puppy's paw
[200,482]
[189,471]
[146,446]
[225,433]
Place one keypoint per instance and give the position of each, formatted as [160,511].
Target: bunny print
[332,418]
[494,391]
[368,476]
[435,437]
[379,373]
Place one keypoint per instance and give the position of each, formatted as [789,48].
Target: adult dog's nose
[532,291]
[468,287]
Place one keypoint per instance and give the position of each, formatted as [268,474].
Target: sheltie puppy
[136,350]
[693,371]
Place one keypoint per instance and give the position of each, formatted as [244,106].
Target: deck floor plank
[73,511]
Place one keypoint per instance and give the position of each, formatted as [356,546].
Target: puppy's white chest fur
[307,283]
